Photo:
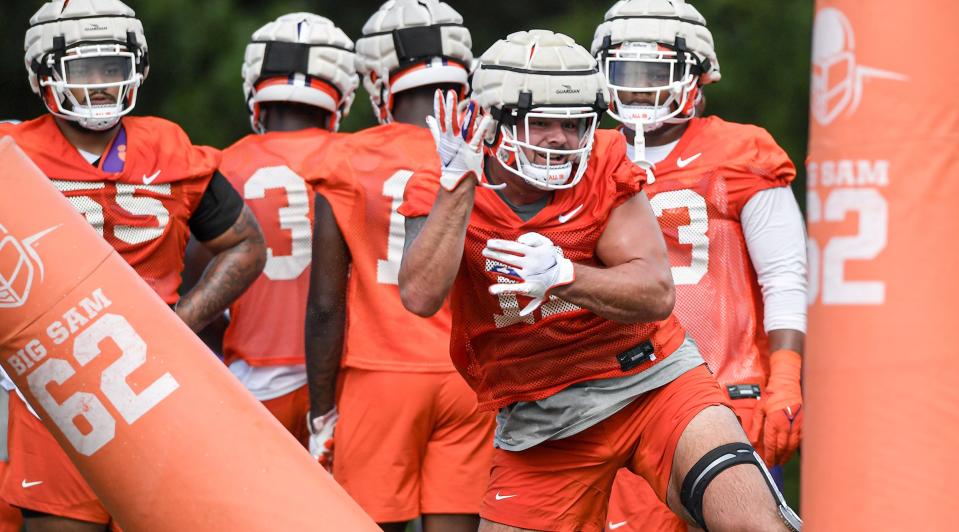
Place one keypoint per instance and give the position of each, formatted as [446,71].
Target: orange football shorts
[409,444]
[634,507]
[565,484]
[291,410]
[40,476]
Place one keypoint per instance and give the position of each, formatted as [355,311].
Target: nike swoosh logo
[614,526]
[680,162]
[148,180]
[501,497]
[26,484]
[563,218]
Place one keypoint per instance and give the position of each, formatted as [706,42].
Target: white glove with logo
[458,139]
[321,437]
[538,263]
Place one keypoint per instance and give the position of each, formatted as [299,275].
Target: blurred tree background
[196,49]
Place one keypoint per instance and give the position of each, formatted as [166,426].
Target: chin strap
[639,153]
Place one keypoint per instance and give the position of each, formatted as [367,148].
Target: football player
[562,306]
[409,440]
[142,185]
[299,80]
[733,229]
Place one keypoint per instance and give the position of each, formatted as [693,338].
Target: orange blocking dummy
[882,423]
[162,432]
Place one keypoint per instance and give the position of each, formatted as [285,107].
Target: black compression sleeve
[219,209]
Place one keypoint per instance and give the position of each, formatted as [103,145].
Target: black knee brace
[717,461]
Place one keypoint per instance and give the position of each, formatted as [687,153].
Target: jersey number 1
[388,271]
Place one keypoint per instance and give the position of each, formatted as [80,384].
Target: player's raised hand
[458,136]
[536,261]
[321,437]
[778,420]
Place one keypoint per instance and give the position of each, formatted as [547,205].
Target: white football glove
[321,437]
[458,137]
[539,264]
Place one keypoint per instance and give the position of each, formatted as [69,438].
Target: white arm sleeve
[776,239]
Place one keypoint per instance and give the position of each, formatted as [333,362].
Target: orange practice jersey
[379,163]
[143,209]
[266,322]
[698,195]
[506,358]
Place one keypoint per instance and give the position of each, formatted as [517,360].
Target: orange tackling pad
[162,432]
[880,432]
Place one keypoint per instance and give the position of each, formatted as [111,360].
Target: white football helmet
[302,58]
[529,80]
[408,44]
[78,51]
[658,52]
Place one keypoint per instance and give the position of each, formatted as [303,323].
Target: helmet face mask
[547,94]
[651,84]
[86,60]
[528,145]
[634,41]
[93,85]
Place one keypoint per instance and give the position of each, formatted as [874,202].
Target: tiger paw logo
[20,265]
[837,77]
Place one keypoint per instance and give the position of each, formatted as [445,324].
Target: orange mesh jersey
[698,195]
[379,163]
[142,209]
[506,358]
[266,322]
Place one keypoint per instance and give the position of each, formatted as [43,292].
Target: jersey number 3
[295,218]
[693,234]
